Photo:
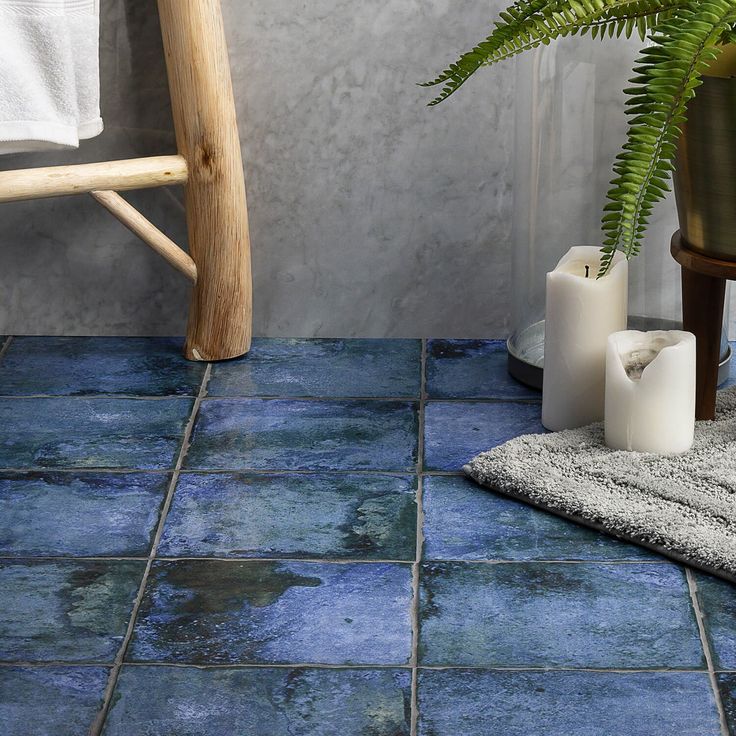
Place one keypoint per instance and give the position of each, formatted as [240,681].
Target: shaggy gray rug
[682,506]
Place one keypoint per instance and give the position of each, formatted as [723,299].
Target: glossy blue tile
[72,366]
[275,612]
[472,369]
[454,432]
[463,521]
[79,514]
[718,604]
[71,611]
[347,516]
[91,433]
[263,434]
[50,701]
[477,703]
[595,615]
[322,368]
[727,691]
[178,701]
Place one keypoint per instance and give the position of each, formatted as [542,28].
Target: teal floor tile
[50,701]
[231,612]
[322,368]
[580,615]
[359,516]
[76,366]
[258,434]
[178,701]
[463,521]
[79,514]
[455,432]
[727,691]
[478,703]
[91,433]
[718,604]
[70,611]
[472,369]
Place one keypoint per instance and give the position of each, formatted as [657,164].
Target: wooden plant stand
[208,164]
[703,292]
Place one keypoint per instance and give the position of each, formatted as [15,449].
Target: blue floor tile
[178,701]
[347,516]
[718,604]
[472,369]
[79,514]
[454,432]
[72,366]
[727,691]
[477,703]
[463,521]
[263,434]
[271,613]
[635,616]
[91,433]
[50,701]
[64,610]
[322,368]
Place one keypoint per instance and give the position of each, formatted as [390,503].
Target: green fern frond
[667,75]
[509,31]
[640,17]
[529,23]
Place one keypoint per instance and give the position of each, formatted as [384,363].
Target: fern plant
[685,36]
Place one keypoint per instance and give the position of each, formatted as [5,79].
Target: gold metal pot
[705,169]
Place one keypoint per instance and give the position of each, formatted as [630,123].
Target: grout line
[330,560]
[693,588]
[164,397]
[317,399]
[353,666]
[5,346]
[166,558]
[418,550]
[232,471]
[99,721]
[277,397]
[218,471]
[97,397]
[541,668]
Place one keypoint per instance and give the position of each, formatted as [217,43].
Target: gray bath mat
[681,506]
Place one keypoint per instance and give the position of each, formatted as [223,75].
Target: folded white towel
[49,74]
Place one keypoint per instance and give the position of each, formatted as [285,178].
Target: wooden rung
[147,232]
[54,181]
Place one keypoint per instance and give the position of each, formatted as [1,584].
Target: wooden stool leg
[702,314]
[207,137]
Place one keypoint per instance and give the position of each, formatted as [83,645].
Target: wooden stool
[208,163]
[703,291]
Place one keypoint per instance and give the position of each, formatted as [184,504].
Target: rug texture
[682,506]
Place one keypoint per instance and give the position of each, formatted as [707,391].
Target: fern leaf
[529,23]
[667,75]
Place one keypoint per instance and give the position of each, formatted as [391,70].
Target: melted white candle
[581,313]
[650,391]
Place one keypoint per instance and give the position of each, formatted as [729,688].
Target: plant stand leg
[702,314]
[207,137]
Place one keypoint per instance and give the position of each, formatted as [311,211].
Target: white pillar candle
[650,391]
[581,312]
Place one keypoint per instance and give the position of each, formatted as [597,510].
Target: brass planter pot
[705,170]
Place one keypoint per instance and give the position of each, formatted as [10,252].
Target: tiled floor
[284,544]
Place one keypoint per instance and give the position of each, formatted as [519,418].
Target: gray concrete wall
[371,214]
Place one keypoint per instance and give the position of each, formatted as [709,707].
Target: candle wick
[587,271]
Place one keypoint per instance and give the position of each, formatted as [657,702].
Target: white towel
[49,74]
